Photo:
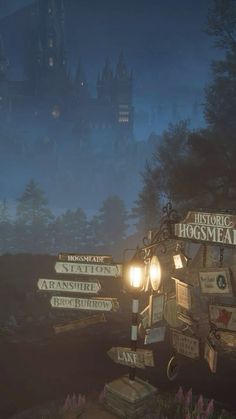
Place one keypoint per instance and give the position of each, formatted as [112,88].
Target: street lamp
[135,276]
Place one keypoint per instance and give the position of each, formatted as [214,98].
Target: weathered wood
[89,269]
[125,356]
[186,345]
[86,287]
[99,304]
[79,324]
[86,258]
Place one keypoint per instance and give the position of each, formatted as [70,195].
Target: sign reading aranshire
[208,227]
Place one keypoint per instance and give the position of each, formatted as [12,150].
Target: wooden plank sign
[208,227]
[210,355]
[86,258]
[141,358]
[215,281]
[223,317]
[88,269]
[155,334]
[186,345]
[89,287]
[100,304]
[79,324]
[156,308]
[183,294]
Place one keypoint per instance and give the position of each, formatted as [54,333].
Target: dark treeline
[196,169]
[35,229]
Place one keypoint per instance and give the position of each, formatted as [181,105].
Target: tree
[32,219]
[69,231]
[113,221]
[5,228]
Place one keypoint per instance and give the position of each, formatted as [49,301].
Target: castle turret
[105,83]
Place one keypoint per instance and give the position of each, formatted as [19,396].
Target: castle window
[51,62]
[82,83]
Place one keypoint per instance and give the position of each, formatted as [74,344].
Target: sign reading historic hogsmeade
[208,227]
[75,257]
[215,281]
[86,287]
[100,304]
[88,269]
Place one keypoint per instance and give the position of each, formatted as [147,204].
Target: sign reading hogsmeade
[75,257]
[208,227]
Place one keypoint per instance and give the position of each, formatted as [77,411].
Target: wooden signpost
[89,269]
[86,287]
[186,345]
[79,324]
[84,258]
[215,281]
[209,227]
[140,358]
[100,304]
[223,317]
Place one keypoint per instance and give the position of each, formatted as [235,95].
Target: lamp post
[136,282]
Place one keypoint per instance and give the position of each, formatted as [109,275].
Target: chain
[221,256]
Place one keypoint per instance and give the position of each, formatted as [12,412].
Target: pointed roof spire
[121,69]
[107,73]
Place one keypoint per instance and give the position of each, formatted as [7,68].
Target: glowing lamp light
[155,273]
[136,276]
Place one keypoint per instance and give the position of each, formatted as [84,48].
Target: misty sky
[163,41]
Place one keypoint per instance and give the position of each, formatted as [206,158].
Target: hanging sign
[186,345]
[156,308]
[155,334]
[215,281]
[143,315]
[210,355]
[75,257]
[228,338]
[86,287]
[140,358]
[223,317]
[100,304]
[88,269]
[208,227]
[183,294]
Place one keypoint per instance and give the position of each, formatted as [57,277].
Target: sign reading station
[208,227]
[88,269]
[88,287]
[100,304]
[75,257]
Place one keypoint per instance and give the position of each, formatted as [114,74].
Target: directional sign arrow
[125,356]
[99,304]
[88,269]
[79,324]
[89,287]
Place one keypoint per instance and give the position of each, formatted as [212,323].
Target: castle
[49,92]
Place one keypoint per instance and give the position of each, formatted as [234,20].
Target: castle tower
[49,69]
[105,83]
[122,91]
